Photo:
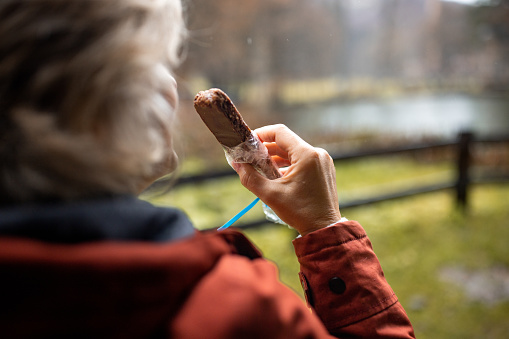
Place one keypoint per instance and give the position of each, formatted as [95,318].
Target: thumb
[251,178]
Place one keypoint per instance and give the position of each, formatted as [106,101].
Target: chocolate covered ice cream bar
[225,122]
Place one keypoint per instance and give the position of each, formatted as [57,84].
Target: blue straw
[239,215]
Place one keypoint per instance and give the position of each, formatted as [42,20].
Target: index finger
[284,137]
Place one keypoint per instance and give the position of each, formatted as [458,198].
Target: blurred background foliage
[354,74]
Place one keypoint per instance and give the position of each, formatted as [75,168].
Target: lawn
[418,240]
[449,269]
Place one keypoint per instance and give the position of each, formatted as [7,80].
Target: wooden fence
[463,147]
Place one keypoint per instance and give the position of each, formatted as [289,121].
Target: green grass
[414,238]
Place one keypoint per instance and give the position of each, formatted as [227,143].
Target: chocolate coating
[224,121]
[221,117]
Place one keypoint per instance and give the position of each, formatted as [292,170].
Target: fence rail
[463,149]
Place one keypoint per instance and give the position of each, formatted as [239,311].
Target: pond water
[413,116]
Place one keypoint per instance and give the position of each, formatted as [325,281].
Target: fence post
[463,164]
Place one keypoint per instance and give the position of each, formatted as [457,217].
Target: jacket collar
[122,218]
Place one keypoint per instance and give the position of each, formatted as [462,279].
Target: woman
[87,102]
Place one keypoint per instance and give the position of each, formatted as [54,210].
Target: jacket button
[337,285]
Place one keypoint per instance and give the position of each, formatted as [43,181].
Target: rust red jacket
[199,285]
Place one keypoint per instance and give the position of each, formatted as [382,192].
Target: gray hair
[86,96]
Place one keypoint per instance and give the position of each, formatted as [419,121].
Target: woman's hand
[305,197]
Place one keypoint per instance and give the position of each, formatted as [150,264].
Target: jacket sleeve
[243,298]
[345,285]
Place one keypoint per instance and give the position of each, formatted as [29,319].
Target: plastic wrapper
[254,152]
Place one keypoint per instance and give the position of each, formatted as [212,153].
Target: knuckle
[323,154]
[319,156]
[319,153]
[281,127]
